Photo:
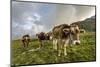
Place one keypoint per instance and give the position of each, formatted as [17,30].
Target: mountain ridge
[88,24]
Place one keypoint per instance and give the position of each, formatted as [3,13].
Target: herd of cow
[61,36]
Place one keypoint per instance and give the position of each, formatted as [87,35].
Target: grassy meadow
[46,55]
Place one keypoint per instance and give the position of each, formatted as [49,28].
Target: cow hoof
[55,48]
[65,54]
[39,47]
[59,55]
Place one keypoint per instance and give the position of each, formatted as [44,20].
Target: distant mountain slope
[88,24]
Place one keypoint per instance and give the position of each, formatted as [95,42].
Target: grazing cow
[26,40]
[42,37]
[63,35]
[82,31]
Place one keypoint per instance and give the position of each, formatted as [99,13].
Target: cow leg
[65,46]
[59,50]
[28,40]
[23,43]
[40,46]
[27,44]
[55,44]
[59,47]
[65,51]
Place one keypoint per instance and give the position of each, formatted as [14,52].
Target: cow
[43,37]
[63,35]
[25,40]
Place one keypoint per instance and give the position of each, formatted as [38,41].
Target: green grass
[46,55]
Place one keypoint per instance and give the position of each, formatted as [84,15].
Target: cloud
[72,13]
[29,26]
[38,28]
[31,18]
[24,19]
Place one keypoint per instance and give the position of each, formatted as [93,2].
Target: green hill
[88,24]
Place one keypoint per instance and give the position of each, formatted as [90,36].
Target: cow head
[74,34]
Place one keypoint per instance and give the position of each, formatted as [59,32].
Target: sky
[31,18]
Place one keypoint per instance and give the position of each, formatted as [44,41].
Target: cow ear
[66,30]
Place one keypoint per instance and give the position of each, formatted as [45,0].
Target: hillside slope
[32,55]
[88,24]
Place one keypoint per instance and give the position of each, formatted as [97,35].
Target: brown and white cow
[43,37]
[63,35]
[26,40]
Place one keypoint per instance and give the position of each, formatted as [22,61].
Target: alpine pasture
[86,51]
